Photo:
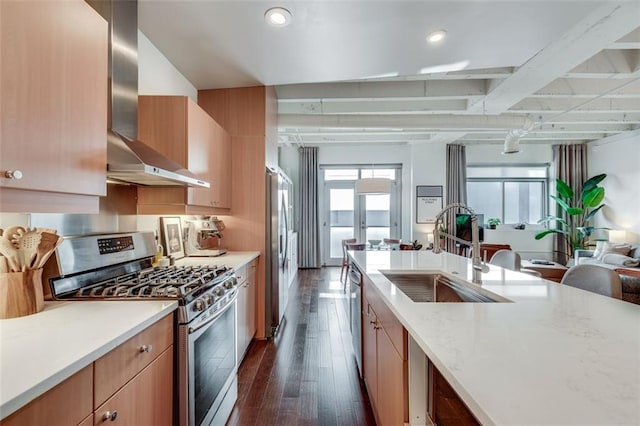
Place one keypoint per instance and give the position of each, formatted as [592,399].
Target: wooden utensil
[21,294]
[11,254]
[11,231]
[27,242]
[47,246]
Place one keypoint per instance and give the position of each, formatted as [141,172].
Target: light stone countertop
[232,259]
[39,351]
[556,355]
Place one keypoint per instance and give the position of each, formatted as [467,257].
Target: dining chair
[356,246]
[507,259]
[595,279]
[487,250]
[345,259]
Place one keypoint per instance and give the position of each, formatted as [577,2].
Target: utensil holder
[21,293]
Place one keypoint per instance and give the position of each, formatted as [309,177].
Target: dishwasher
[355,313]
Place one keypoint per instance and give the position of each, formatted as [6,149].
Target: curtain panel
[570,165]
[456,187]
[309,232]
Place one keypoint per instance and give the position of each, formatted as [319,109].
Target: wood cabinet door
[66,404]
[121,364]
[392,399]
[243,328]
[369,353]
[53,96]
[200,151]
[251,300]
[145,400]
[221,168]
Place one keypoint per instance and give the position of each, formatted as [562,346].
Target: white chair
[507,259]
[595,279]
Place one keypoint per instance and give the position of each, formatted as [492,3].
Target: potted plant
[576,228]
[493,222]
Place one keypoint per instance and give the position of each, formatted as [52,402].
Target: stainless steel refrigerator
[279,228]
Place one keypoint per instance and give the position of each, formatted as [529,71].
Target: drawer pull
[110,416]
[13,174]
[146,348]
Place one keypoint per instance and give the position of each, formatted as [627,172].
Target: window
[513,194]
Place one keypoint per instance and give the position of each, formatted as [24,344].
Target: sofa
[605,255]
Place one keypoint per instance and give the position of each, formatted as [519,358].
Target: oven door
[209,364]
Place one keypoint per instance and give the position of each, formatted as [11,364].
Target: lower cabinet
[384,364]
[69,403]
[131,385]
[144,400]
[246,307]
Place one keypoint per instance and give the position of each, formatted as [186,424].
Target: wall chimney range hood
[128,159]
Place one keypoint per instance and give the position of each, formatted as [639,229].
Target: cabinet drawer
[394,329]
[145,400]
[117,367]
[66,404]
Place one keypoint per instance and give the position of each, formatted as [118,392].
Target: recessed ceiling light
[436,36]
[278,17]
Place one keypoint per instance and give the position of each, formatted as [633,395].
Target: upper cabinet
[53,103]
[179,129]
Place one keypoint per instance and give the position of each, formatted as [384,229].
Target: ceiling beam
[374,107]
[602,27]
[560,105]
[389,90]
[590,88]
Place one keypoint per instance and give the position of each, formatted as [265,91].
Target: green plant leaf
[585,231]
[551,218]
[546,232]
[593,212]
[593,197]
[562,203]
[593,182]
[563,189]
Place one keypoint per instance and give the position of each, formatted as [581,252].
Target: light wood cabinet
[120,365]
[69,403]
[53,98]
[179,129]
[384,353]
[246,307]
[145,400]
[134,380]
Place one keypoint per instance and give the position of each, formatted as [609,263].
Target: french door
[346,214]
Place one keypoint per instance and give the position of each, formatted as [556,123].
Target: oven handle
[215,316]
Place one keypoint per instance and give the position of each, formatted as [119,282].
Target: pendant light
[373,185]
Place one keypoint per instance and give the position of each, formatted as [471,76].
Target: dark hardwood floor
[307,375]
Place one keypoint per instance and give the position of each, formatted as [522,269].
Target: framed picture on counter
[172,236]
[428,203]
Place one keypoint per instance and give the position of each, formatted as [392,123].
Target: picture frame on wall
[172,236]
[428,202]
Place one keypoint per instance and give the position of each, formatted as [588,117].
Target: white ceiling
[555,71]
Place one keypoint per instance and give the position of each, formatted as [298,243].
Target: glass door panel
[341,219]
[377,217]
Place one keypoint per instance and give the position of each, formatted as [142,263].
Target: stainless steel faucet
[478,266]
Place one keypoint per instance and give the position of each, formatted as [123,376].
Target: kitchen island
[552,354]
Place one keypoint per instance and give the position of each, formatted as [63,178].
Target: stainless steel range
[118,267]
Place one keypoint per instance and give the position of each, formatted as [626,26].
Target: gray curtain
[456,186]
[570,165]
[309,233]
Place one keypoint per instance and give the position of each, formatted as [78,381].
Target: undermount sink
[435,287]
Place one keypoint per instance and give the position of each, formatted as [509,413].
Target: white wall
[619,158]
[428,163]
[492,154]
[158,76]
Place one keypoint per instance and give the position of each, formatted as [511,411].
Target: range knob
[199,305]
[209,299]
[219,291]
[230,283]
